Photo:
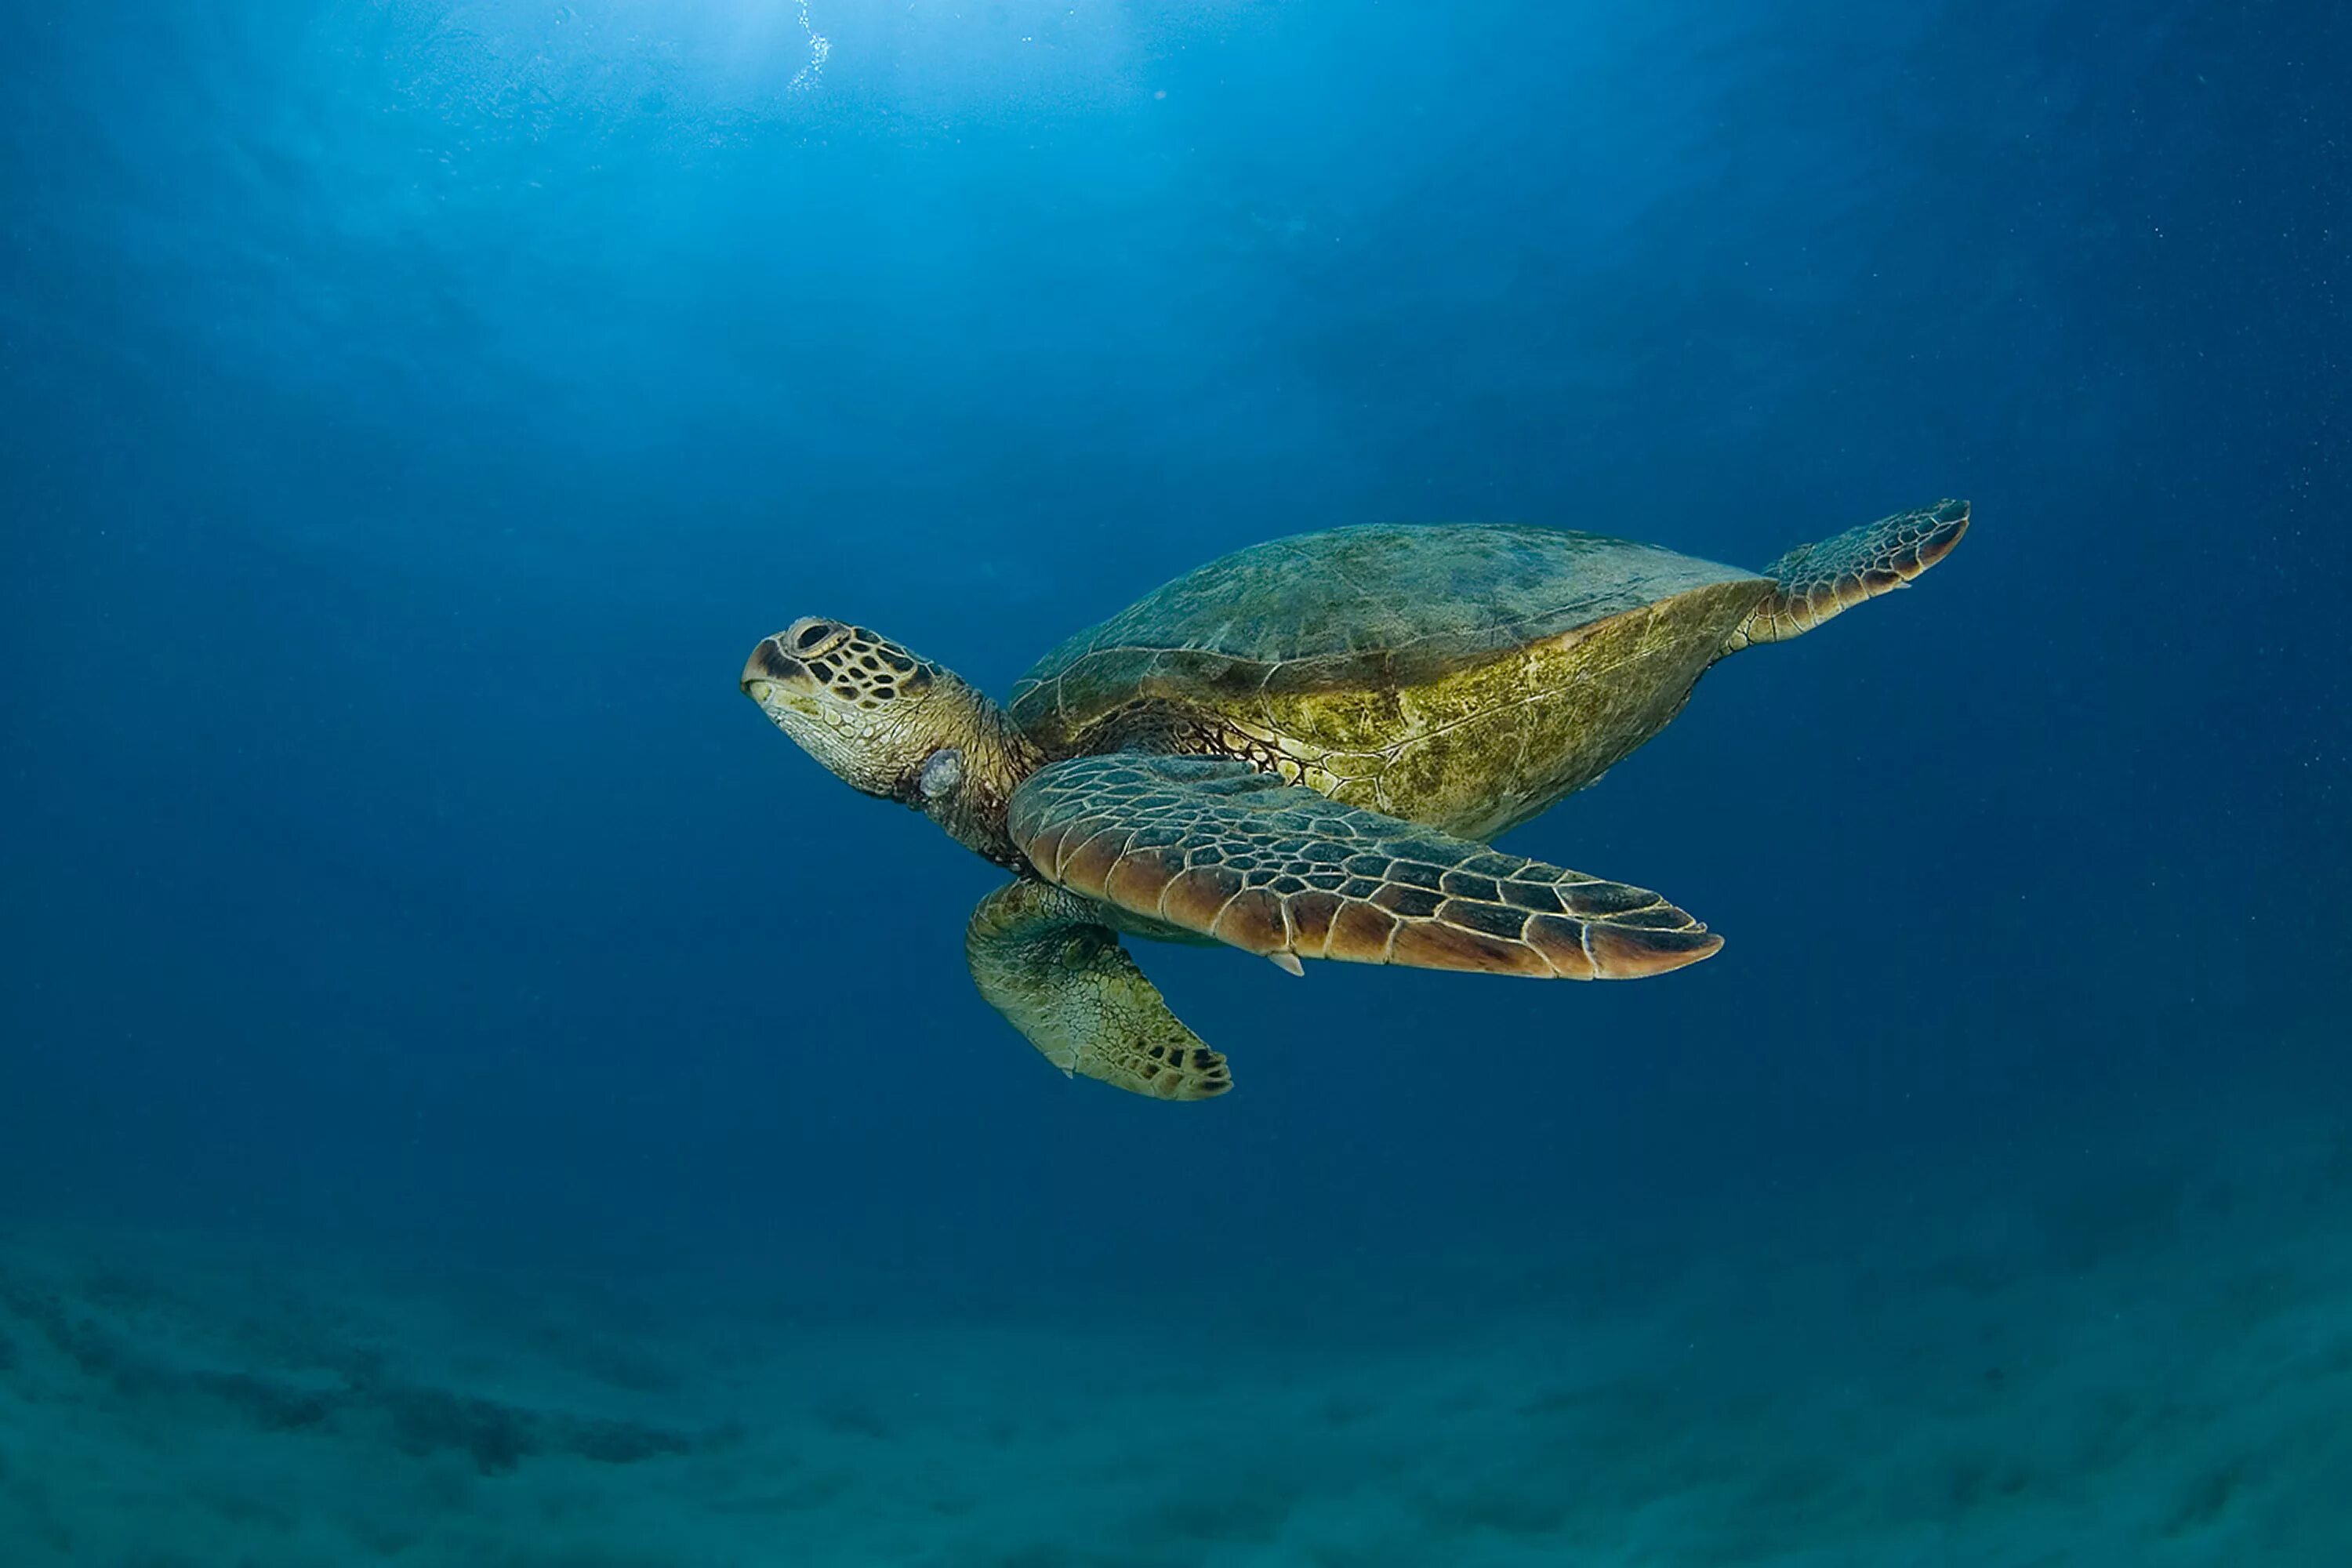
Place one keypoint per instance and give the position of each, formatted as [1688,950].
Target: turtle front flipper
[1816,582]
[1041,958]
[1216,848]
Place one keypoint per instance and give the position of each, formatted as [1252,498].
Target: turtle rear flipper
[1819,581]
[1060,977]
[1218,848]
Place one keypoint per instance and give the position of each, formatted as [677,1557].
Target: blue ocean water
[475,1094]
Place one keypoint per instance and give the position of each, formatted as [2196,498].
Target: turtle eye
[814,635]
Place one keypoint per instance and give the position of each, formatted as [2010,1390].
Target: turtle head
[864,706]
[889,723]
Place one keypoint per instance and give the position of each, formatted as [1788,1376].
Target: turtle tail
[1815,582]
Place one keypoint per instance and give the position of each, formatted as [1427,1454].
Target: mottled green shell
[1377,607]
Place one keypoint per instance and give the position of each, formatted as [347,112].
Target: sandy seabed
[2107,1361]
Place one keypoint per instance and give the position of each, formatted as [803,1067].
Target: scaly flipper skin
[1217,848]
[1041,958]
[1819,581]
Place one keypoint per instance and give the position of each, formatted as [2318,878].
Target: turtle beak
[768,667]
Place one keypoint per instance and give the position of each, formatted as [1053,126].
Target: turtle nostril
[769,662]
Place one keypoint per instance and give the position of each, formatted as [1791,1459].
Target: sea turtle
[1301,749]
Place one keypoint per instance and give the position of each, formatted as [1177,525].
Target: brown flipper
[1058,975]
[1819,581]
[1217,848]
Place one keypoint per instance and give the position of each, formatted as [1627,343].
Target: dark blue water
[414,411]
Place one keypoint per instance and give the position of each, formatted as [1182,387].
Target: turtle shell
[1381,607]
